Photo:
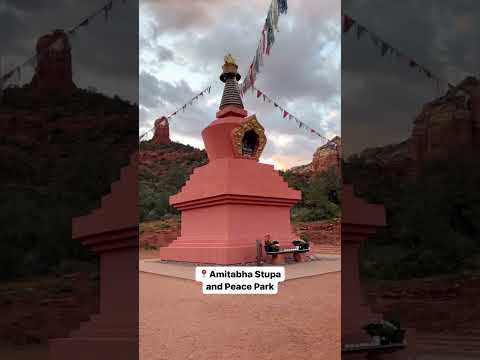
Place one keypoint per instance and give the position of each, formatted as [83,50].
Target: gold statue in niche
[249,138]
[229,59]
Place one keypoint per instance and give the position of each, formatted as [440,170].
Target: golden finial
[229,59]
[229,68]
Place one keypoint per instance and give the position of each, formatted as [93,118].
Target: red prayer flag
[285,113]
[259,93]
[347,23]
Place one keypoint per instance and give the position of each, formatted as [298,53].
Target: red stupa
[234,200]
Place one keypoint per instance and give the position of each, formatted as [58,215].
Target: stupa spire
[230,76]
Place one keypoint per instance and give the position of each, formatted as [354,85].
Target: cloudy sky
[182,44]
[380,95]
[104,53]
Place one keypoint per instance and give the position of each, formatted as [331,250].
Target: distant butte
[53,71]
[325,157]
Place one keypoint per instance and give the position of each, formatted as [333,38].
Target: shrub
[320,195]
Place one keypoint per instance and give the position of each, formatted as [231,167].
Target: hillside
[58,156]
[163,169]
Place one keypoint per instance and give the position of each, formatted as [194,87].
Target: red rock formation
[159,233]
[53,72]
[162,131]
[325,156]
[452,120]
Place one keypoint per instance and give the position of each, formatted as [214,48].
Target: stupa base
[214,253]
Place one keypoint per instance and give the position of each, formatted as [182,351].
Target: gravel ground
[178,322]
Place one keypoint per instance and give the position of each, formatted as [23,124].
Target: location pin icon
[204,272]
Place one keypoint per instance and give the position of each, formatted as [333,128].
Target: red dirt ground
[30,352]
[178,322]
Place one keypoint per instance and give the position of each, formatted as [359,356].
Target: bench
[278,257]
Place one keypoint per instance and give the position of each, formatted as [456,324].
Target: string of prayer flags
[282,6]
[56,46]
[289,115]
[84,22]
[360,31]
[181,108]
[274,11]
[267,39]
[349,23]
[107,8]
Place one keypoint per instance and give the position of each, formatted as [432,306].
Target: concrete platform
[323,265]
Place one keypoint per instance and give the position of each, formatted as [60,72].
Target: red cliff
[325,157]
[450,121]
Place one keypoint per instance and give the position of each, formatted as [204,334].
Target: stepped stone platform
[111,231]
[324,264]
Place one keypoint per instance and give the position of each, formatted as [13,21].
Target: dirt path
[178,322]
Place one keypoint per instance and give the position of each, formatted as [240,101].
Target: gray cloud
[164,54]
[149,90]
[105,53]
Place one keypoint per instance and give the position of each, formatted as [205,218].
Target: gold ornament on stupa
[229,68]
[229,59]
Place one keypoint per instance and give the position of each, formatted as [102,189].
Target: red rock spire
[162,131]
[53,72]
